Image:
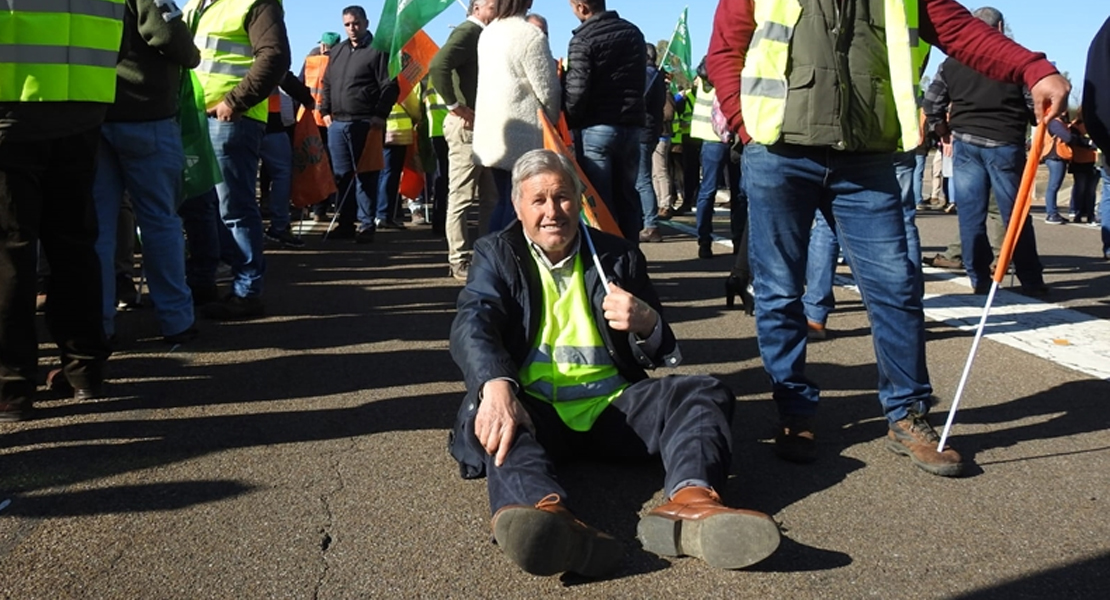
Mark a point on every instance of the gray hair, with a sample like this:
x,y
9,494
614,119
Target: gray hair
x,y
538,20
989,15
542,161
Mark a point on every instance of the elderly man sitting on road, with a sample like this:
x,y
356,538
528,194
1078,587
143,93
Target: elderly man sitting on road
x,y
554,362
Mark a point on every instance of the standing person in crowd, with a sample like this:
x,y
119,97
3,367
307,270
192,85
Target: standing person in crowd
x,y
244,55
277,157
807,154
985,119
655,101
435,180
141,154
454,72
49,133
1096,107
312,74
661,155
358,95
570,381
603,97
1082,169
715,161
690,148
400,132
1056,154
516,80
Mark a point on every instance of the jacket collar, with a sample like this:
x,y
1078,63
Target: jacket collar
x,y
601,16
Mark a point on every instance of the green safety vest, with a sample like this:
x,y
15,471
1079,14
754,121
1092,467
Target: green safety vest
x,y
763,81
60,50
437,112
682,121
569,365
226,54
701,124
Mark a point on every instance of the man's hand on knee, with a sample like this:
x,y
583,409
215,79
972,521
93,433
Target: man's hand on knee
x,y
499,416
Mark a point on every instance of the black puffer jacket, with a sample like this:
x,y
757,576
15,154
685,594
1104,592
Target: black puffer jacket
x,y
604,83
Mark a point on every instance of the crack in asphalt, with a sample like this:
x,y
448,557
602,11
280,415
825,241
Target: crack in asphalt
x,y
325,531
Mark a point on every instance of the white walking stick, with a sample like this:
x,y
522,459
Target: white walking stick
x,y
1013,232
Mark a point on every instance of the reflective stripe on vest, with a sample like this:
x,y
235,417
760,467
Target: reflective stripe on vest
x,y
701,124
80,66
314,67
569,366
437,112
226,54
763,81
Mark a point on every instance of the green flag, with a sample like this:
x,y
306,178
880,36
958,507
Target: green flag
x,y
400,20
677,56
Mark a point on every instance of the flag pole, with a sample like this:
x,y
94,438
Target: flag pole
x,y
466,9
1017,223
663,61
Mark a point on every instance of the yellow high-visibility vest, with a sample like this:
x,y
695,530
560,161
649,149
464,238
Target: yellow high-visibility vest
x,y
226,54
763,80
60,50
569,365
701,124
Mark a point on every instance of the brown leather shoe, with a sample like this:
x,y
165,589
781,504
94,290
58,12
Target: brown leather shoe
x,y
546,540
915,437
695,523
651,235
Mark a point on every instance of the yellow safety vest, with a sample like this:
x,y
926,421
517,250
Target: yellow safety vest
x,y
60,50
763,85
701,125
569,365
437,112
399,126
226,54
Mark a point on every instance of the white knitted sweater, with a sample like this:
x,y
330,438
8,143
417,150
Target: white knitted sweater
x,y
516,78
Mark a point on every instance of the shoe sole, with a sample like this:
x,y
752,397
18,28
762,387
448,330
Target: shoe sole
x,y
542,543
724,541
941,470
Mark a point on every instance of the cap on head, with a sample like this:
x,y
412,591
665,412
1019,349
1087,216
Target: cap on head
x,y
330,38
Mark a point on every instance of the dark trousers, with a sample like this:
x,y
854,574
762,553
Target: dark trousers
x,y
435,186
691,171
46,194
683,419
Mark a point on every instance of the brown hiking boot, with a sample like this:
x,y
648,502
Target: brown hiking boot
x,y
695,523
546,540
795,442
915,437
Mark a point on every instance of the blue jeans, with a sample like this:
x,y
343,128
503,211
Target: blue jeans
x,y
819,299
786,186
714,158
200,218
503,212
1084,180
389,182
918,178
649,202
1104,212
905,169
1057,169
146,160
610,157
237,145
357,191
277,158
976,171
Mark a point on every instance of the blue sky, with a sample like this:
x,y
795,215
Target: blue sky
x,y
1062,34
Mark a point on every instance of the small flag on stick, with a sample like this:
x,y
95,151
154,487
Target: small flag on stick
x,y
597,214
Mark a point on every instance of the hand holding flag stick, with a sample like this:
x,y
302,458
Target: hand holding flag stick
x,y
1013,233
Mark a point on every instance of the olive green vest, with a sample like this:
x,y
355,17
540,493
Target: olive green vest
x,y
846,78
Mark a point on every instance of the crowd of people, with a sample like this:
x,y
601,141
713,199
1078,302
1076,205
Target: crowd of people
x,y
814,123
